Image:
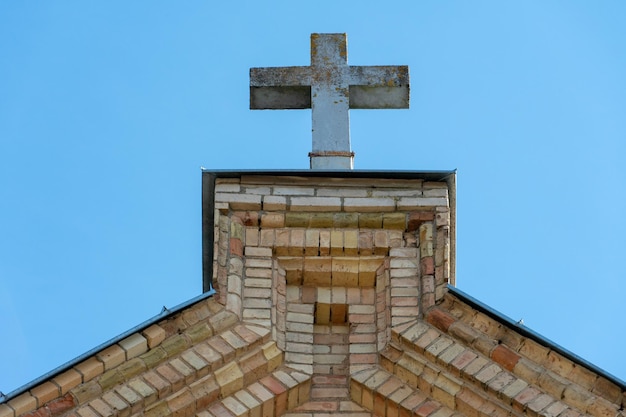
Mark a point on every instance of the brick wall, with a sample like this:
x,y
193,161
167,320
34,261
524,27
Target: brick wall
x,y
330,265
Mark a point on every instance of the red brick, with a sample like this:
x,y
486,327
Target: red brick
x,y
392,409
505,357
273,385
525,397
389,386
246,334
170,375
41,412
417,218
440,319
412,402
309,295
223,348
61,405
427,265
379,404
427,408
236,247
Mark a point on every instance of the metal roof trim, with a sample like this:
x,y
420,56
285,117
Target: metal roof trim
x,y
435,175
164,314
525,331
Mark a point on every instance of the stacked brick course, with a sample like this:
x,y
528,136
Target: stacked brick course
x,y
330,267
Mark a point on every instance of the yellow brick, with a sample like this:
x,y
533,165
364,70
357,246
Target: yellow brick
x,y
86,411
370,220
381,242
67,380
155,335
229,378
426,232
345,220
134,345
336,242
445,389
273,356
312,242
367,271
45,392
317,271
273,220
321,220
345,272
322,313
297,219
351,242
315,204
281,245
159,409
90,368
112,356
394,221
296,242
23,403
293,270
6,411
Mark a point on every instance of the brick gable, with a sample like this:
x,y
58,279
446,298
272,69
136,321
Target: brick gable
x,y
331,297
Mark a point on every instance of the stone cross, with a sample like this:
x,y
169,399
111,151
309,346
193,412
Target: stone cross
x,y
330,87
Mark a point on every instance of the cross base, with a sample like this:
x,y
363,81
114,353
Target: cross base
x,y
332,160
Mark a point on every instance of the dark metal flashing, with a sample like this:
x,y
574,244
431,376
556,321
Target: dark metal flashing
x,y
526,332
164,314
208,217
323,173
208,198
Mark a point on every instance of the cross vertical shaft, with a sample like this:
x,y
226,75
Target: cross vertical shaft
x,y
330,95
330,88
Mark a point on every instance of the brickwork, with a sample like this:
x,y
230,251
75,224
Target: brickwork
x,y
331,299
330,269
530,361
285,255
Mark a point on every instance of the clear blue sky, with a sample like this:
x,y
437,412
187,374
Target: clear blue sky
x,y
109,109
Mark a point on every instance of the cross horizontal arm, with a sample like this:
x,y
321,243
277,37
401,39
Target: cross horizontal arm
x,y
379,76
379,87
280,88
280,76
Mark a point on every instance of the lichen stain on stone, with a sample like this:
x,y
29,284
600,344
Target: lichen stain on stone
x,y
343,51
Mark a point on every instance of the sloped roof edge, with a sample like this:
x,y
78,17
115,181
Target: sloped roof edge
x,y
526,332
164,314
